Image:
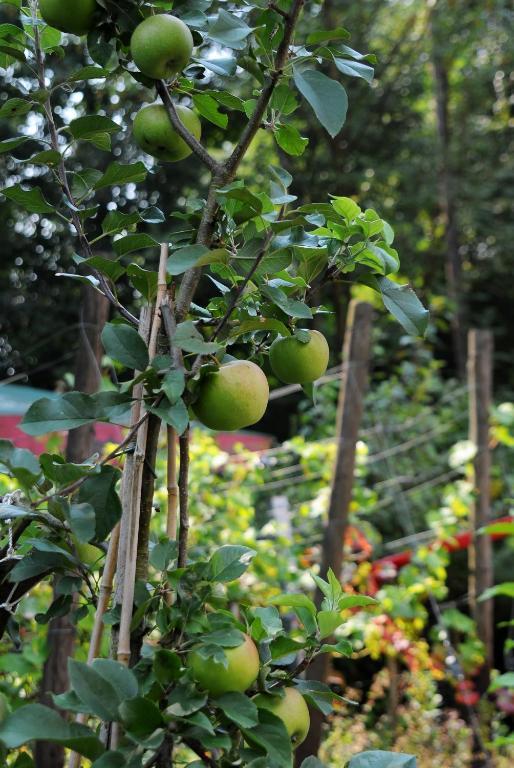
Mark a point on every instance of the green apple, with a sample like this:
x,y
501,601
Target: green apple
x,y
241,672
161,46
291,709
233,397
75,16
154,133
296,363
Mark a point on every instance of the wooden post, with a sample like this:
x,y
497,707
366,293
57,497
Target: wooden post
x,y
354,382
481,576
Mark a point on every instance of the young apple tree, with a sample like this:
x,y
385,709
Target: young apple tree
x,y
181,679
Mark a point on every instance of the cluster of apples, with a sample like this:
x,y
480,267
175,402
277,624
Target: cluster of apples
x,y
240,673
236,395
161,47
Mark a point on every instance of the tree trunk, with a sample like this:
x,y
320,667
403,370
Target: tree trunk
x,y
447,197
354,381
80,445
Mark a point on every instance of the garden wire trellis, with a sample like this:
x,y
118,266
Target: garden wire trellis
x,y
388,441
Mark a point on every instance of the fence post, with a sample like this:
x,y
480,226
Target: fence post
x,y
354,382
481,576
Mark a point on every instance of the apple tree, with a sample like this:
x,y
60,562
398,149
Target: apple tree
x,y
181,678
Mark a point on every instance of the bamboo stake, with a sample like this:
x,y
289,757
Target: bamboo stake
x,y
111,559
134,491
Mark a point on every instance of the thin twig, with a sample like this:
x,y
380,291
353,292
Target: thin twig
x,y
63,181
183,479
193,143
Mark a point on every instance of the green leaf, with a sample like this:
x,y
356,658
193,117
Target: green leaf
x,y
173,385
317,694
239,708
31,200
47,157
175,415
143,280
346,207
108,267
502,681
291,307
290,140
124,344
59,471
66,412
135,242
312,762
184,700
93,690
117,173
294,601
89,73
270,735
283,647
380,759
506,589
327,98
122,679
323,35
328,622
498,528
20,462
402,302
111,760
229,30
166,666
35,722
229,562
259,324
8,144
188,338
356,601
209,108
221,65
90,125
343,647
184,258
100,491
140,716
283,100
355,69
15,107
83,521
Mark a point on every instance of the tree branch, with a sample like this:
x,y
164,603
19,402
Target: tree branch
x,y
183,478
182,131
255,121
226,171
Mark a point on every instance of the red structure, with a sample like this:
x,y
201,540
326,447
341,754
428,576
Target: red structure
x,y
15,401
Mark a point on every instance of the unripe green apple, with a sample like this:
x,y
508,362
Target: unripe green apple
x,y
233,397
292,710
296,363
154,133
161,46
75,16
241,672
